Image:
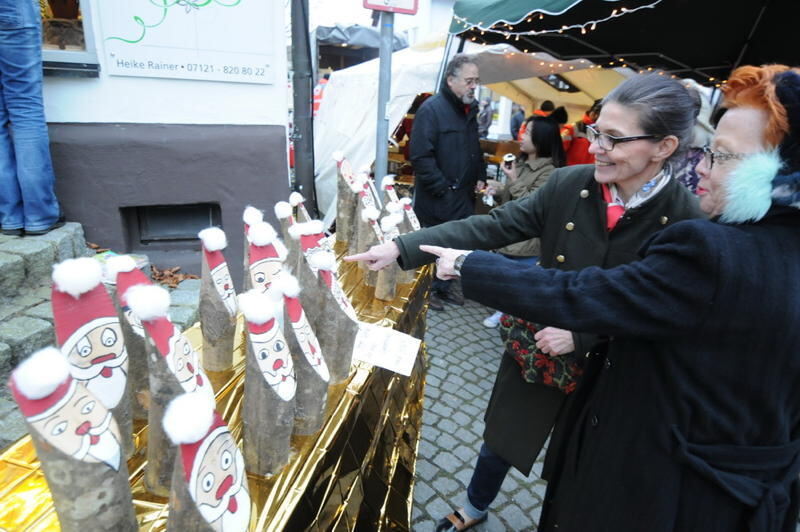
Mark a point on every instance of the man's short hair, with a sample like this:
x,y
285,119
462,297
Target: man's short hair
x,y
456,63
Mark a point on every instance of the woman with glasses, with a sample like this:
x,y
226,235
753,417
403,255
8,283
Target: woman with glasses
x,y
585,215
693,424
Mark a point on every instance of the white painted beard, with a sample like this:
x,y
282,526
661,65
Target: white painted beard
x,y
109,390
107,448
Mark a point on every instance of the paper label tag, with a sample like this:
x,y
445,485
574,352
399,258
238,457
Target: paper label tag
x,y
386,348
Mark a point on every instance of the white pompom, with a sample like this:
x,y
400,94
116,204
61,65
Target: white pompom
x,y
189,417
338,156
283,210
41,373
119,264
295,199
388,181
314,227
370,213
252,215
393,207
256,306
322,260
148,302
262,234
287,284
77,276
390,222
213,238
405,201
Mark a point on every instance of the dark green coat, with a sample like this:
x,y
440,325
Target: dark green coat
x,y
568,214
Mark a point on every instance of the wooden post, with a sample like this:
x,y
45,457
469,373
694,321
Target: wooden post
x,y
77,442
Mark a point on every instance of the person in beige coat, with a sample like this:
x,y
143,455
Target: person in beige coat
x,y
541,152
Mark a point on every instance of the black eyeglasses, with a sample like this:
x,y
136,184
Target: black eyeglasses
x,y
711,156
607,142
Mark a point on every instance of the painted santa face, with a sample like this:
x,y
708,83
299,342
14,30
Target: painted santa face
x,y
97,356
184,362
274,361
310,346
133,321
81,427
219,486
221,278
263,272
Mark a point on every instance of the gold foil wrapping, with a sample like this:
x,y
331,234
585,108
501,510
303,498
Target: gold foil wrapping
x,y
357,472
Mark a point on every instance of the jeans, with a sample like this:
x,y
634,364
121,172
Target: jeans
x,y
27,196
490,471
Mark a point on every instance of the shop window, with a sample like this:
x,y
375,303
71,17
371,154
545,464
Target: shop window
x,y
68,46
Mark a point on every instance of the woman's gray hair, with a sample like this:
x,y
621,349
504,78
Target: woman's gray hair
x,y
663,106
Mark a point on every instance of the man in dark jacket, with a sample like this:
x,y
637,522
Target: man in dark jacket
x,y
447,157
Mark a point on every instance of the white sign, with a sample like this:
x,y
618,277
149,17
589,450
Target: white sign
x,y
218,40
407,7
386,348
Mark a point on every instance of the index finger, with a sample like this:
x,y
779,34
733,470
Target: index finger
x,y
357,257
433,250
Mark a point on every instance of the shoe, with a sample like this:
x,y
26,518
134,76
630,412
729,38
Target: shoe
x,y
435,303
493,320
13,232
452,297
456,521
58,223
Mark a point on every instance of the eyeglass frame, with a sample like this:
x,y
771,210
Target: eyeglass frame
x,y
709,155
616,140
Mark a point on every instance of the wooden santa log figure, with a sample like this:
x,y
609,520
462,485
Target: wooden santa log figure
x,y
250,216
267,255
408,209
122,268
89,333
283,212
387,279
174,368
309,361
369,234
78,445
297,201
391,195
269,387
335,328
217,302
346,200
209,485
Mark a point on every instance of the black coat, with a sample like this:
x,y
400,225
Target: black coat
x,y
693,424
447,159
568,214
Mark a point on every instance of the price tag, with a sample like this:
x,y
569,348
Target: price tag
x,y
386,348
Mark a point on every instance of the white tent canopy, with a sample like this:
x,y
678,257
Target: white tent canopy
x,y
347,121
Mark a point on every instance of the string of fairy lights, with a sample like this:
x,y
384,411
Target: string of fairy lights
x,y
505,29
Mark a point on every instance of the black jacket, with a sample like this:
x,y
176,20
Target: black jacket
x,y
447,159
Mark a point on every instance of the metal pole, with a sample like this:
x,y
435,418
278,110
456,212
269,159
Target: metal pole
x,y
384,93
445,59
303,84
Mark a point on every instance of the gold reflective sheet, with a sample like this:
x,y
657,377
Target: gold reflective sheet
x,y
357,472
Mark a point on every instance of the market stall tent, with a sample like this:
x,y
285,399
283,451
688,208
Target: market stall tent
x,y
347,122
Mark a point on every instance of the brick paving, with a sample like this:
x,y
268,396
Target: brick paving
x,y
464,357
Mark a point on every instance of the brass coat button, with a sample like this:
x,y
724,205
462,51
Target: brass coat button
x,y
664,220
560,258
570,226
584,193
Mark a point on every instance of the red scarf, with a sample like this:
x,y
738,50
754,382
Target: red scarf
x,y
614,211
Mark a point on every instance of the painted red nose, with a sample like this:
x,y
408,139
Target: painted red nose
x,y
190,367
83,428
227,286
224,487
313,350
278,364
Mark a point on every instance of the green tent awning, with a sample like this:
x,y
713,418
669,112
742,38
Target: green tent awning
x,y
486,13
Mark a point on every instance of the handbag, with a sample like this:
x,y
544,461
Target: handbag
x,y
560,371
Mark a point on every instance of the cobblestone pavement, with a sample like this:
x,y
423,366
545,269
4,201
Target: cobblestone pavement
x,y
464,357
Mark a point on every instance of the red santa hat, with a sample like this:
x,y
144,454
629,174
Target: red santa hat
x,y
214,241
123,269
80,301
264,243
325,263
42,383
150,303
290,288
309,233
259,311
191,422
